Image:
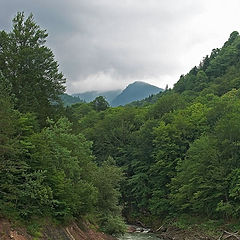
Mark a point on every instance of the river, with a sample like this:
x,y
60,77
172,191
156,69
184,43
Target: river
x,y
139,236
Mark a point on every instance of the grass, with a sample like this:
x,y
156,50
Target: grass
x,y
35,229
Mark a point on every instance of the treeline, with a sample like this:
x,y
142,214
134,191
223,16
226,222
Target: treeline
x,y
181,154
46,169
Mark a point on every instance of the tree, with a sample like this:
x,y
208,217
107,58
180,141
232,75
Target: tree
x,y
22,191
6,112
30,67
165,104
200,183
201,80
107,180
67,160
100,104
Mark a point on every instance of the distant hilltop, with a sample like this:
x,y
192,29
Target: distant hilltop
x,y
133,92
91,95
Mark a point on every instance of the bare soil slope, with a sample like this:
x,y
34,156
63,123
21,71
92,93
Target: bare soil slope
x,y
71,232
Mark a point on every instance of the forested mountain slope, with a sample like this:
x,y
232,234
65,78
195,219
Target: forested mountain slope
x,y
217,73
180,155
133,92
90,96
68,100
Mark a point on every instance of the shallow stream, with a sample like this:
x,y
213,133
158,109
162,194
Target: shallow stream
x,y
139,236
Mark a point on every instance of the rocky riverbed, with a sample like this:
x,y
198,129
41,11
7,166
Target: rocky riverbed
x,y
164,233
138,233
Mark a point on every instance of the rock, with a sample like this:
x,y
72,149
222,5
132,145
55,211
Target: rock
x,y
131,229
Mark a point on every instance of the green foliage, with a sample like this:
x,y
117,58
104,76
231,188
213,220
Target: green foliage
x,y
48,172
100,104
30,68
195,187
215,72
111,132
166,104
68,163
68,100
34,229
107,180
177,157
113,225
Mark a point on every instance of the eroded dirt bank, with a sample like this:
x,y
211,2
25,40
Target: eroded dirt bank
x,y
72,232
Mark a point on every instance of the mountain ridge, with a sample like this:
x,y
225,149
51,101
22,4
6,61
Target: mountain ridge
x,y
135,91
91,95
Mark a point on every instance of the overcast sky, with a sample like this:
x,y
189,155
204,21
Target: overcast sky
x,y
107,44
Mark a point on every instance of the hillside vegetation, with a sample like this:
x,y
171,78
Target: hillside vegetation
x,y
47,171
180,155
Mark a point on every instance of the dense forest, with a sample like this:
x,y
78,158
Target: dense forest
x,y
175,154
47,170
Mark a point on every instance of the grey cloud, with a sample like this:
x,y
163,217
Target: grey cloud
x,y
134,40
105,44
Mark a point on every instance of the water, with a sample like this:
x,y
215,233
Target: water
x,y
139,236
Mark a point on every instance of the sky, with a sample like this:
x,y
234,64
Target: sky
x,y
107,44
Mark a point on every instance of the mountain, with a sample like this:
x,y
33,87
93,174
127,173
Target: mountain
x,y
90,96
68,100
135,91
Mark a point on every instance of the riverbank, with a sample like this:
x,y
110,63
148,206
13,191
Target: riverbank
x,y
175,233
172,233
189,228
74,231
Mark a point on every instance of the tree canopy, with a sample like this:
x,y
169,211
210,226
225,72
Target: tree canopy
x,y
30,67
